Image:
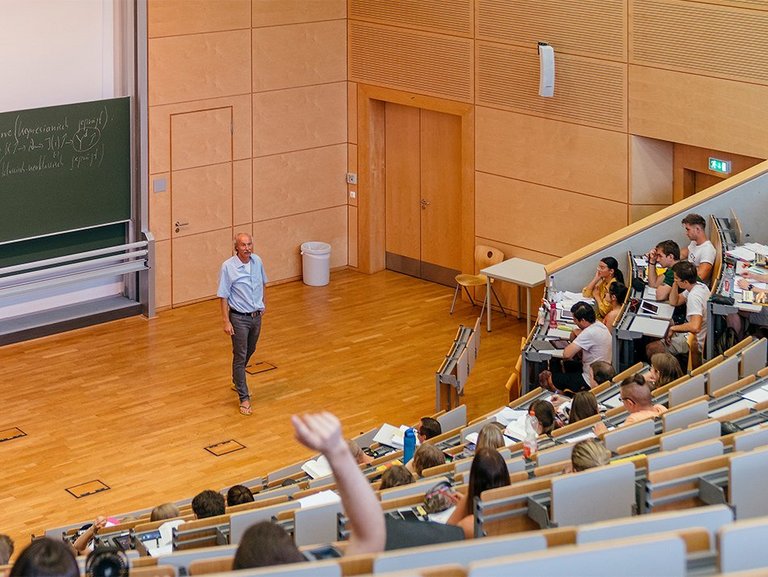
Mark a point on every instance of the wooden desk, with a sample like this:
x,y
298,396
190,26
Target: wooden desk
x,y
521,272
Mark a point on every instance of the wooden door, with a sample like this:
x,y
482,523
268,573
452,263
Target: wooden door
x,y
201,201
691,172
423,193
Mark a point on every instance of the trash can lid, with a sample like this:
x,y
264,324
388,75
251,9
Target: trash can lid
x,y
315,247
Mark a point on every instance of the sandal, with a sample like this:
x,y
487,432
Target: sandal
x,y
246,410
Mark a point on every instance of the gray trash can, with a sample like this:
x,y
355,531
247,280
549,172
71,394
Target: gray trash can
x,y
316,263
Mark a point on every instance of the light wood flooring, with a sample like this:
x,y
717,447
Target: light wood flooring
x,y
133,403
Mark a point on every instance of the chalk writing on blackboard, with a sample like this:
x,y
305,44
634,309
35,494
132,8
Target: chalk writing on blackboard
x,y
33,146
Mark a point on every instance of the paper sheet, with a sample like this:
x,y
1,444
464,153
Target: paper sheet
x,y
757,395
742,404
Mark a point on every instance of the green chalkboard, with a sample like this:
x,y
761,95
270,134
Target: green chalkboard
x,y
64,168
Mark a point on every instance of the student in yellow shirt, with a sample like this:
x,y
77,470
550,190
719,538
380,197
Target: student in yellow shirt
x,y
607,273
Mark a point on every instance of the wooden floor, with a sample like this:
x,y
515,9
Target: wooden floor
x,y
134,403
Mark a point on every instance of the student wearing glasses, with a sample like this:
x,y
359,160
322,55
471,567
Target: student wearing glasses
x,y
636,396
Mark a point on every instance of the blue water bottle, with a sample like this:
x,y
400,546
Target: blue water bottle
x,y
409,445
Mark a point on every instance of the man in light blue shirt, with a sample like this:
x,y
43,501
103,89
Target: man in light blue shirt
x,y
241,290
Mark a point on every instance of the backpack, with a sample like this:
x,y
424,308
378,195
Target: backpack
x,y
726,340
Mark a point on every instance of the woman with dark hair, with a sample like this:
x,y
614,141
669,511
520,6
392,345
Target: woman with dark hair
x,y
46,558
265,544
488,471
545,413
583,405
617,292
607,273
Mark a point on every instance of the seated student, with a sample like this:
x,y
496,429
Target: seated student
x,y
360,457
757,320
694,294
268,544
589,453
491,436
545,414
593,342
488,471
636,396
239,494
602,372
606,274
164,511
208,503
425,457
45,558
665,254
583,405
617,292
428,428
701,252
665,368
395,476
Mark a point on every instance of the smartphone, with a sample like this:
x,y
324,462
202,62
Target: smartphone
x,y
650,307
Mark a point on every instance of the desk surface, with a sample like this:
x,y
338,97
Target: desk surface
x,y
517,270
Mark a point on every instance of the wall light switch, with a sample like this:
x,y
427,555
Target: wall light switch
x,y
158,184
352,194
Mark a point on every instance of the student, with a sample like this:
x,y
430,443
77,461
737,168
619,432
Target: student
x,y
636,396
584,405
593,342
428,428
426,457
208,503
602,372
589,453
665,254
545,414
239,494
665,368
491,436
701,252
395,476
488,471
607,273
687,290
45,558
617,292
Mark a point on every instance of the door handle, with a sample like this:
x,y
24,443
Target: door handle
x,y
424,203
179,224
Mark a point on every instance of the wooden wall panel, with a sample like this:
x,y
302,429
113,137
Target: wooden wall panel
x,y
163,273
352,112
160,128
352,168
184,68
281,12
408,60
242,197
174,17
640,211
587,27
299,55
278,240
541,218
552,153
453,17
160,209
202,197
201,137
587,90
298,118
651,171
294,182
352,236
698,110
196,261
717,40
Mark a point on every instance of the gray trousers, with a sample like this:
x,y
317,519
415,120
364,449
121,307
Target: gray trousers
x,y
244,340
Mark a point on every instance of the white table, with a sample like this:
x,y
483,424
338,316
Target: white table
x,y
519,271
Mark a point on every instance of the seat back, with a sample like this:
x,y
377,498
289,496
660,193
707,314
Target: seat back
x,y
486,256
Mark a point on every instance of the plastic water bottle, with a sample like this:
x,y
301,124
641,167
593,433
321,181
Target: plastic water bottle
x,y
551,287
530,445
409,445
552,315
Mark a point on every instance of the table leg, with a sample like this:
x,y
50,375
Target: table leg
x,y
488,302
519,301
528,310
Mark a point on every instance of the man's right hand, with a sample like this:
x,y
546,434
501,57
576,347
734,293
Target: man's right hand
x,y
228,328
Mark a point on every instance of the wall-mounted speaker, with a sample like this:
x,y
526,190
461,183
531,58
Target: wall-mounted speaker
x,y
546,70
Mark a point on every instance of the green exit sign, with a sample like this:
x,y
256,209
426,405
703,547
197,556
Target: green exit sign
x,y
721,166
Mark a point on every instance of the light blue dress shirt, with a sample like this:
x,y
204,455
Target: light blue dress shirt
x,y
243,290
